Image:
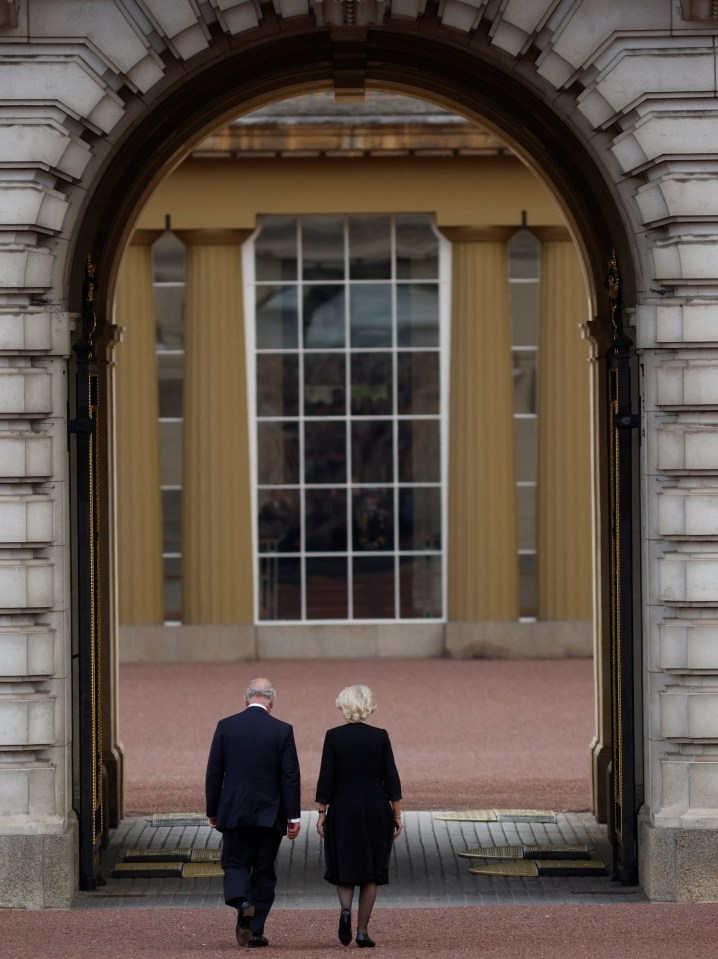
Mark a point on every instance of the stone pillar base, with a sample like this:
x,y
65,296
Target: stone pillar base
x,y
39,871
677,864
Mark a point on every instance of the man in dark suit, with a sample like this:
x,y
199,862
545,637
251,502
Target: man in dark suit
x,y
252,791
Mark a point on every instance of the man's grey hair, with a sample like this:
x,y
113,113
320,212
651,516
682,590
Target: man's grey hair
x,y
267,692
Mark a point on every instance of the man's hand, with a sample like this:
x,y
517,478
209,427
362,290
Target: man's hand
x,y
293,829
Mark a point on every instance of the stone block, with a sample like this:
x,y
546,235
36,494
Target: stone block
x,y
688,448
687,323
43,142
25,456
26,520
38,870
656,860
697,865
689,714
686,646
688,512
27,651
512,640
25,332
27,789
187,644
676,195
31,204
27,720
26,268
71,81
25,392
686,258
26,585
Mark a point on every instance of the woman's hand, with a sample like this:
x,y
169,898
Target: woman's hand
x,y
321,823
398,826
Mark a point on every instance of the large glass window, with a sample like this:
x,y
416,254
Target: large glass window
x,y
524,287
349,406
168,265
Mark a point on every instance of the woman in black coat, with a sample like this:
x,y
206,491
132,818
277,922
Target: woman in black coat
x,y
359,796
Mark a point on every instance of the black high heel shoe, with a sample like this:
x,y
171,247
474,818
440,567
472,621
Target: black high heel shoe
x,y
364,942
345,927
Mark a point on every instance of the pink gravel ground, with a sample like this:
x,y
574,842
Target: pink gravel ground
x,y
466,733
496,932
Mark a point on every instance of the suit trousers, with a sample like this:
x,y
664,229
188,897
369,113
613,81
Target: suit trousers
x,y
248,855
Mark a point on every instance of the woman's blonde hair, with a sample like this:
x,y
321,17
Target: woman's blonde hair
x,y
356,703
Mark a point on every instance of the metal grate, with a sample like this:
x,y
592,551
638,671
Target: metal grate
x,y
179,819
148,870
469,815
202,870
524,870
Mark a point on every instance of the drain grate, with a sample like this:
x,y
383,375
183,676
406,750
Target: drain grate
x,y
526,852
206,855
148,870
519,870
499,815
468,815
202,870
157,855
179,819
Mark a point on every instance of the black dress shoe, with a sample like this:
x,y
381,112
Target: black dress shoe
x,y
364,942
244,931
257,941
345,927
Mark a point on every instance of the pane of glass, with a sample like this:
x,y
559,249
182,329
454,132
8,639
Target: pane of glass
x,y
275,250
420,587
524,255
526,447
371,384
417,314
168,259
278,529
277,453
170,373
169,316
324,325
173,588
372,452
525,301
418,383
327,588
325,520
524,371
277,384
373,519
324,384
419,451
277,318
526,519
420,518
527,585
171,520
280,588
417,249
373,587
325,454
370,247
370,314
170,454
323,248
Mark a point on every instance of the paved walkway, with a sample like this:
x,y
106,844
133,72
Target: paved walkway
x,y
426,870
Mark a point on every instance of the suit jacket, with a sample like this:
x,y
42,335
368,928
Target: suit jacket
x,y
253,772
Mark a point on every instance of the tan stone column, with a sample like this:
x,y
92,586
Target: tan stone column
x,y
563,518
139,500
483,560
217,565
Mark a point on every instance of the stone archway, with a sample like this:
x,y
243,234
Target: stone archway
x,y
591,100
279,66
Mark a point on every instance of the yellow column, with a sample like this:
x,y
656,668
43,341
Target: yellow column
x,y
217,556
483,561
139,501
564,460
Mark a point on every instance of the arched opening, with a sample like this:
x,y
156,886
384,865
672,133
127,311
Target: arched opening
x,y
435,69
